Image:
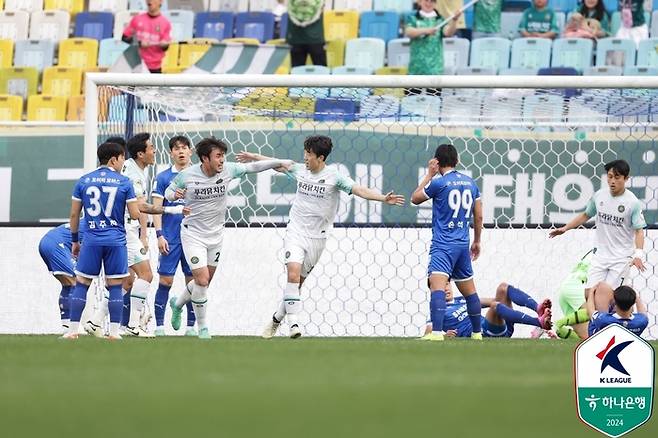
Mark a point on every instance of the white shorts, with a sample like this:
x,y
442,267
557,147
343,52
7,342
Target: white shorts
x,y
613,274
136,251
201,251
304,250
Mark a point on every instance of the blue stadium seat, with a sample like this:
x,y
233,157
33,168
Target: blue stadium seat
x,y
365,52
259,25
647,52
397,54
34,53
420,108
531,53
636,70
283,25
305,91
217,25
572,52
399,6
613,47
496,108
490,52
603,70
654,21
547,108
379,24
455,54
516,71
561,71
182,24
96,25
109,51
117,111
611,5
352,93
335,109
476,71
381,108
509,24
460,109
564,5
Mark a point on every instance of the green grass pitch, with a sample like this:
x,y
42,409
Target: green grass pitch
x,y
244,387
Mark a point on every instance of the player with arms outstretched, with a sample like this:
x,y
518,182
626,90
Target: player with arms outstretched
x,y
311,218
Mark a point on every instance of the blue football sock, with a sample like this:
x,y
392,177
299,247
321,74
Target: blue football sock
x,y
521,298
78,301
437,309
125,315
191,316
115,303
65,302
161,298
474,309
514,316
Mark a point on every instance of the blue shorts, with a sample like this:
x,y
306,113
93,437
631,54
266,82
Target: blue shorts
x,y
57,257
490,330
169,262
114,260
454,262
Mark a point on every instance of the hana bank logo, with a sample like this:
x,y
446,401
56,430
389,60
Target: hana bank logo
x,y
609,357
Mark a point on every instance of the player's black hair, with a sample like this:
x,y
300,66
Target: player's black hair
x,y
118,140
619,167
320,145
179,139
446,155
137,143
205,147
107,150
624,297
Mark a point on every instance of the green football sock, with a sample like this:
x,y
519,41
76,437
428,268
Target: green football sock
x,y
566,332
573,318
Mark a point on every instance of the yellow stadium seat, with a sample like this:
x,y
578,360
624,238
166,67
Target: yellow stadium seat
x,y
11,108
71,6
391,71
76,109
42,108
241,40
398,92
194,50
340,25
173,70
78,52
2,4
19,81
171,57
277,42
335,53
6,53
62,81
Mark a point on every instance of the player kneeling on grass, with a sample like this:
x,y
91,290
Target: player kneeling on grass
x,y
311,218
500,318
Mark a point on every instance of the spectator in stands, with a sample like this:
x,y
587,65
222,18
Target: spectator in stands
x,y
596,16
305,32
486,21
579,27
152,32
633,25
446,8
538,21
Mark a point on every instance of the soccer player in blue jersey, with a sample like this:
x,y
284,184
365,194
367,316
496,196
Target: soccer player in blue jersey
x,y
622,313
455,199
167,228
104,194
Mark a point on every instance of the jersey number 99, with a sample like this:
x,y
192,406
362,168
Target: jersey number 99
x,y
458,199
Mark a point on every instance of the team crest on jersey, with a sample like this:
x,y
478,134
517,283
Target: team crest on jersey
x,y
143,251
103,174
219,181
621,209
194,260
321,181
287,255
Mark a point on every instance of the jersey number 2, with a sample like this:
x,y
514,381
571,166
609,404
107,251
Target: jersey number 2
x,y
94,194
458,200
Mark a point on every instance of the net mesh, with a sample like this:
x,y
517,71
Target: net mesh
x,y
537,156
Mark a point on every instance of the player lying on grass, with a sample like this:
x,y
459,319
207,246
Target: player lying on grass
x,y
500,318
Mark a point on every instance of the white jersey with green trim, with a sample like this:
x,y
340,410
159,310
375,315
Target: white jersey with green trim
x,y
138,178
316,201
206,196
616,218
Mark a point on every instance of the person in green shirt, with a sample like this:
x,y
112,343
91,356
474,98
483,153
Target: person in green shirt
x,y
635,27
594,10
305,32
538,21
486,20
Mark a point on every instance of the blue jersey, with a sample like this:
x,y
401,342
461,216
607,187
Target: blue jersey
x,y
636,323
170,222
453,196
104,194
456,318
62,234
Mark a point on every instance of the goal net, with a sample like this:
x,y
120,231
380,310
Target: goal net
x,y
537,155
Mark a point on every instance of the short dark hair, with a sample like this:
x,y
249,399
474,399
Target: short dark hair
x,y
137,143
619,167
320,145
118,140
624,297
446,155
178,139
206,145
107,150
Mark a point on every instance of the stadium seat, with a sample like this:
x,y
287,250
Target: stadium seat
x,y
335,109
193,50
398,52
305,91
460,109
258,25
113,6
603,70
234,6
75,109
62,81
78,52
509,24
19,81
547,108
170,60
531,53
218,25
24,5
611,5
365,52
43,108
352,5
496,108
340,25
516,71
14,25
182,24
476,71
560,18
420,108
615,21
241,40
49,25
572,52
34,53
647,53
173,70
399,6
195,6
73,7
6,53
109,51
381,108
283,25
335,53
353,93
636,70
607,48
379,24
391,71
654,23
397,92
11,108
490,52
97,25
587,109
516,5
262,5
117,111
455,54
121,20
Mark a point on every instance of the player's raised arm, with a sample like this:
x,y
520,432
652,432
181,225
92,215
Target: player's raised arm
x,y
573,223
257,163
389,198
419,196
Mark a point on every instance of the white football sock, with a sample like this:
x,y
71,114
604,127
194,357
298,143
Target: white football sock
x,y
103,310
114,329
280,312
200,304
138,295
185,296
292,302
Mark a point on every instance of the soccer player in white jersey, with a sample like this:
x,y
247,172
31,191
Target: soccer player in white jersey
x,y
619,233
204,187
311,218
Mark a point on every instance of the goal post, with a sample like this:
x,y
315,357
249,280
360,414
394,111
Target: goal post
x,y
536,146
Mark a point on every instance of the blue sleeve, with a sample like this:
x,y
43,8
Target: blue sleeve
x,y
476,191
77,191
642,320
597,320
159,186
433,188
